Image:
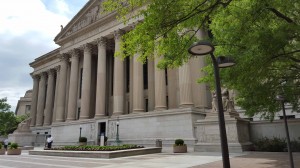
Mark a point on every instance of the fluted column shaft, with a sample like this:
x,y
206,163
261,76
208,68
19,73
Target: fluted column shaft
x,y
151,86
185,86
57,70
86,82
160,87
200,93
61,95
101,79
41,100
34,101
50,98
119,80
138,85
73,89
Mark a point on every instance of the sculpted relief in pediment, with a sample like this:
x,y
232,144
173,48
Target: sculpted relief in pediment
x,y
90,17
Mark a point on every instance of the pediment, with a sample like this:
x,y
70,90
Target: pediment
x,y
89,14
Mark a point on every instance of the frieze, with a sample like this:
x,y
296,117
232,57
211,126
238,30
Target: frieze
x,y
90,17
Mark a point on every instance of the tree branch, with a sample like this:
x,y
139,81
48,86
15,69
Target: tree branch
x,y
281,15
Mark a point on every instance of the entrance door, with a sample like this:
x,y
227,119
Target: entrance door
x,y
101,130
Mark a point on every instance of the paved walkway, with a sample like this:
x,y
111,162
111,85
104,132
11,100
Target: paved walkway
x,y
162,160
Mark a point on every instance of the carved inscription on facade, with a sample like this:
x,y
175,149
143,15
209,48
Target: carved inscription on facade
x,y
90,17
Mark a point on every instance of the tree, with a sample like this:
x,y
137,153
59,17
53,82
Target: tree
x,y
9,122
262,36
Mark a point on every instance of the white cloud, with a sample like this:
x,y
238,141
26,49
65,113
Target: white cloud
x,y
27,30
17,17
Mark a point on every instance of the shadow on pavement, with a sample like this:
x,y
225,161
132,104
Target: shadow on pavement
x,y
258,160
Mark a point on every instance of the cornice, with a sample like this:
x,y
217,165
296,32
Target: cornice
x,y
52,55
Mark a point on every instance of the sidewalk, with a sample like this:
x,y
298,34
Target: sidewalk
x,y
258,160
171,160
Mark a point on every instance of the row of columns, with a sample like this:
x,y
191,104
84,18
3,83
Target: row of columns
x,y
56,97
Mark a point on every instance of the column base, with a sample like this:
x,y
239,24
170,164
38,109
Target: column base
x,y
70,119
46,124
160,108
100,116
185,105
138,111
117,113
84,117
59,120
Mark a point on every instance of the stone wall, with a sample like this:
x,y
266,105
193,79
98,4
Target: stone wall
x,y
259,129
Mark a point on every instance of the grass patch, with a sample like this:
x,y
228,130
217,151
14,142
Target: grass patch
x,y
95,148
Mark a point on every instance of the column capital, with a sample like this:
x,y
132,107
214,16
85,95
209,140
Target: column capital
x,y
74,53
102,41
35,76
44,74
118,34
51,71
56,69
86,47
63,57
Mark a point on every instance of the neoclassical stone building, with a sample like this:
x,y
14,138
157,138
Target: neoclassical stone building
x,y
80,88
82,84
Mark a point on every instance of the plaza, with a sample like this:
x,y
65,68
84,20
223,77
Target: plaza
x,y
162,160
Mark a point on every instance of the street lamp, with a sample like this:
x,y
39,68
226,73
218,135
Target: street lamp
x,y
117,136
80,128
204,48
282,100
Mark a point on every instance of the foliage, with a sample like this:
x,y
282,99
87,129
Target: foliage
x,y
13,146
262,36
179,142
270,145
96,148
4,107
82,139
9,122
0,145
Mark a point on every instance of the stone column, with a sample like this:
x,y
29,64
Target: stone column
x,y
119,80
101,79
185,86
73,89
151,88
86,82
61,95
200,92
57,70
50,98
34,101
160,87
41,100
138,86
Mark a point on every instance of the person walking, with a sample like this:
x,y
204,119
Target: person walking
x,y
49,141
6,143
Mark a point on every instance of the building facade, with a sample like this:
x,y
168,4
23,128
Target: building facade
x,y
82,84
24,104
81,89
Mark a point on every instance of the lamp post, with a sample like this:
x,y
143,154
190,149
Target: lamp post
x,y
80,128
204,48
117,136
282,100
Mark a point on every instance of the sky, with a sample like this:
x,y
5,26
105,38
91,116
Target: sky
x,y
27,31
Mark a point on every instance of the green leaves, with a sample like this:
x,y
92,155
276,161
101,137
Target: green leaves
x,y
262,37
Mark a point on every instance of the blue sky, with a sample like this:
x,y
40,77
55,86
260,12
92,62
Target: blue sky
x,y
27,30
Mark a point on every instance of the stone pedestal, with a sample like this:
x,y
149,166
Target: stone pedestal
x,y
22,138
208,133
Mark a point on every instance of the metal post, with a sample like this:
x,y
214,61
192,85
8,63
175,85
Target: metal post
x,y
222,127
117,136
80,132
287,135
